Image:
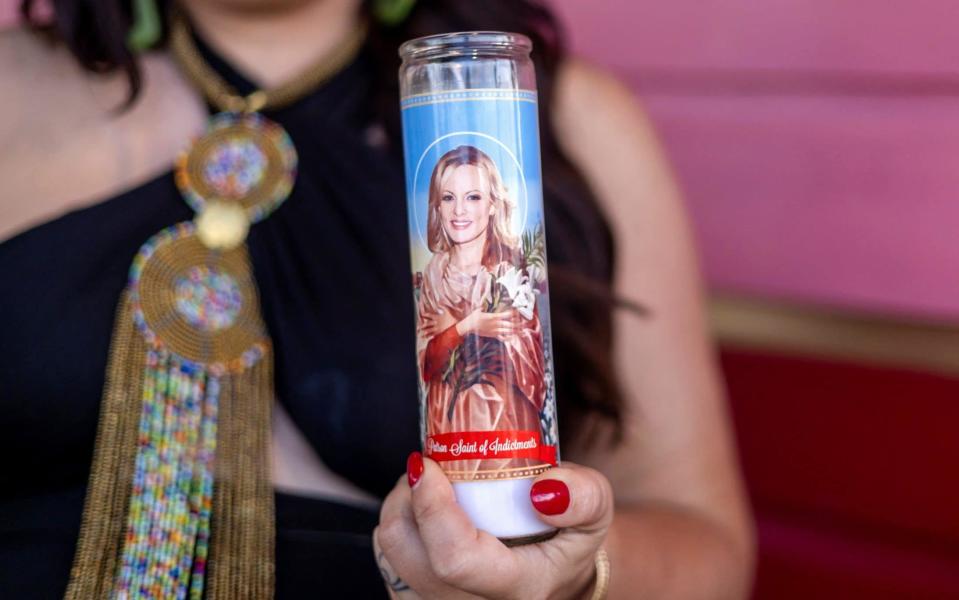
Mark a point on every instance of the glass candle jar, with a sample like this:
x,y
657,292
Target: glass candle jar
x,y
478,255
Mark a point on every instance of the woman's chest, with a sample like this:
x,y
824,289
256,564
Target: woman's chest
x,y
338,305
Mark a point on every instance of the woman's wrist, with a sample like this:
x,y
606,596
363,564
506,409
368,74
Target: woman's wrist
x,y
463,327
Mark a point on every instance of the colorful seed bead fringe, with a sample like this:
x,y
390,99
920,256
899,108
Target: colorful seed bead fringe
x,y
170,505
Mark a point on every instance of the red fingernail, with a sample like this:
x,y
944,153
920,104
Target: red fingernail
x,y
414,468
550,496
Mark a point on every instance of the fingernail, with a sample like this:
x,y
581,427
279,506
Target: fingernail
x,y
550,496
414,468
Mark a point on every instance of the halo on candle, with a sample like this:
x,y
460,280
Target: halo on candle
x,y
511,175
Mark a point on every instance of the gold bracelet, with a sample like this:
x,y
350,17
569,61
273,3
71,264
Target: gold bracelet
x,y
602,576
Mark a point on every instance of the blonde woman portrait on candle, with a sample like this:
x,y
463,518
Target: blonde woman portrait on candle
x,y
101,97
469,214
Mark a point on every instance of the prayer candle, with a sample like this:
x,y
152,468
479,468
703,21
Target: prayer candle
x,y
478,255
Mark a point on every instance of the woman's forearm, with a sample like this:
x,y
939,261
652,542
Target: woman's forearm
x,y
661,551
437,353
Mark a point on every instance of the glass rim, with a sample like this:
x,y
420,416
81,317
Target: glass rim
x,y
464,43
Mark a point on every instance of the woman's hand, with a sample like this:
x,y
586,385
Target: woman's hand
x,y
435,323
498,325
427,547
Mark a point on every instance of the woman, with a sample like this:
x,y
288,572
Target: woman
x,y
85,183
468,231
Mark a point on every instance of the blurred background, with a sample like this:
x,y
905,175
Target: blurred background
x,y
817,144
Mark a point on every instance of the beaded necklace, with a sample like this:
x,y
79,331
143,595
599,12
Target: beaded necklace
x,y
180,501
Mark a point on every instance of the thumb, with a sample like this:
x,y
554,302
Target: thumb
x,y
573,496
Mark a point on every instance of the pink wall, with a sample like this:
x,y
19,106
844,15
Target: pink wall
x,y
889,36
8,12
817,142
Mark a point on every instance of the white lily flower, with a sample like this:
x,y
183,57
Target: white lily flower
x,y
520,290
537,274
512,279
524,303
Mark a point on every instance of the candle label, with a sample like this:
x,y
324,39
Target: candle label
x,y
478,252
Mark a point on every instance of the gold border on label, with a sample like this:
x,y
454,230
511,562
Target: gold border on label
x,y
493,474
503,96
501,90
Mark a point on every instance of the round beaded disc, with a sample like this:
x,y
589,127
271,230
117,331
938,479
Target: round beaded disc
x,y
197,303
208,298
244,158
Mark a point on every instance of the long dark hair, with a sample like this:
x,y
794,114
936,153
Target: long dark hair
x,y
591,402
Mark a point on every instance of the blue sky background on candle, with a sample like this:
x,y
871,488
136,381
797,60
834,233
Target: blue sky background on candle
x,y
505,129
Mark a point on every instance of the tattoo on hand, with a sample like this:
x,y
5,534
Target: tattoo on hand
x,y
393,581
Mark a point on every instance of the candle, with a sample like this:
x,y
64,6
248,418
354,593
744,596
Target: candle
x,y
478,255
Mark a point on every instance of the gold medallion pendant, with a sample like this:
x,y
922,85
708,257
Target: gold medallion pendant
x,y
196,302
243,159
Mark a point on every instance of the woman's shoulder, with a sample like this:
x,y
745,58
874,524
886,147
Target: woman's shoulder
x,y
436,265
598,118
74,143
31,69
47,92
582,85
601,125
46,88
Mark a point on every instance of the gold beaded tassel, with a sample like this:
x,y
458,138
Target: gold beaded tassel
x,y
242,556
108,490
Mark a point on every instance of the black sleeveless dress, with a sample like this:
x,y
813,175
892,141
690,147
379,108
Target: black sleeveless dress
x,y
333,273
